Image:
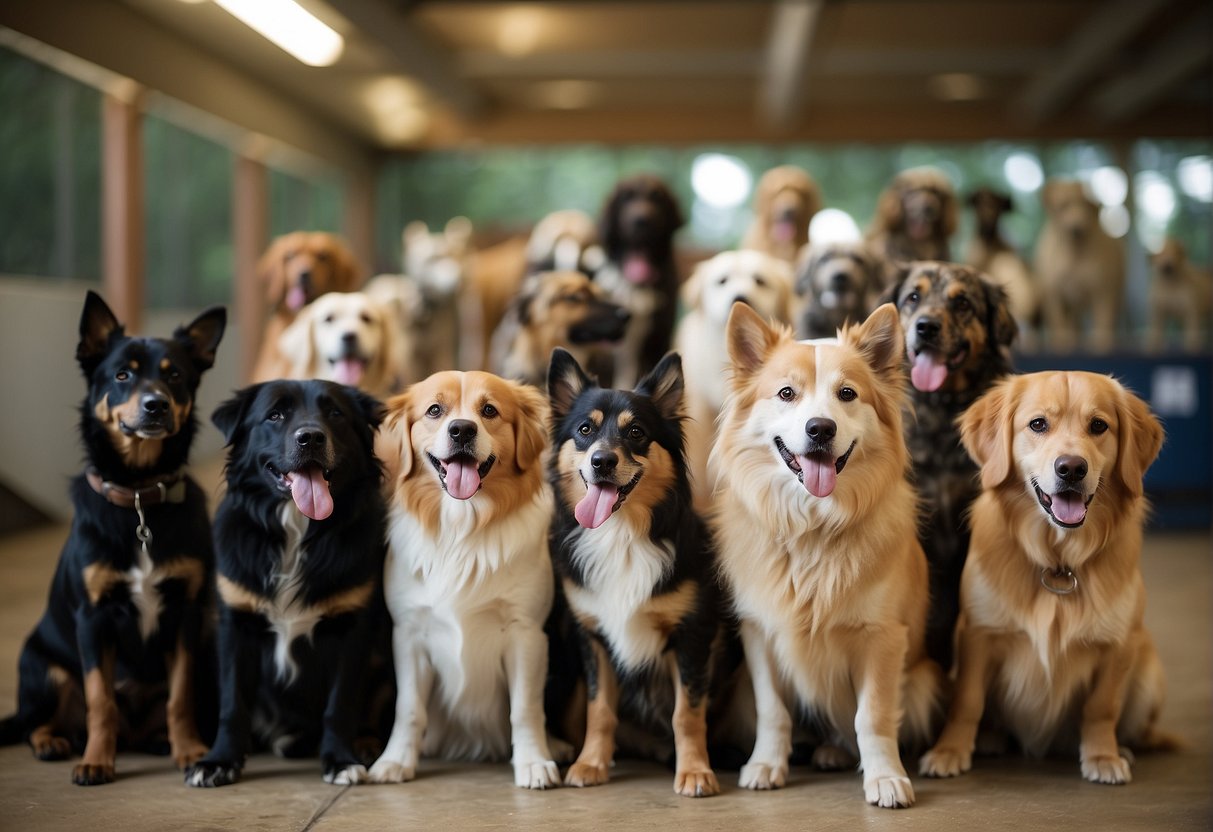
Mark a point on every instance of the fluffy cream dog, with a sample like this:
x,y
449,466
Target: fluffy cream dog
x,y
1180,294
816,533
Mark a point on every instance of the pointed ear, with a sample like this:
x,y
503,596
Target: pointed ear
x,y
296,346
895,273
229,415
530,425
1139,441
749,338
664,385
393,442
880,340
986,431
999,321
97,326
566,381
202,335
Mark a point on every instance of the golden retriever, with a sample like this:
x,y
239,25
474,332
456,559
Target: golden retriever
x,y
1051,637
468,579
785,202
815,526
916,216
296,269
1180,294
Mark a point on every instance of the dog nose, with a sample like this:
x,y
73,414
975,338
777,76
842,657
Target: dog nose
x,y
154,404
821,430
1071,469
310,438
839,280
741,299
603,462
927,328
349,338
461,429
623,315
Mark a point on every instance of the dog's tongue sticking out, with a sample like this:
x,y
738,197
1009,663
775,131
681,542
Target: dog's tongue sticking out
x,y
597,505
348,371
928,373
310,490
784,231
1069,507
462,478
296,298
820,475
637,269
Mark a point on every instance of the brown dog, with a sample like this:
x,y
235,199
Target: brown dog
x,y
1180,293
784,203
916,215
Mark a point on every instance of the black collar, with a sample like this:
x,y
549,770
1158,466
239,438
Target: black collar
x,y
166,489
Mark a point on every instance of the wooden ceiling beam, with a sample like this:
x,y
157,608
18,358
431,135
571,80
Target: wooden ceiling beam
x,y
781,93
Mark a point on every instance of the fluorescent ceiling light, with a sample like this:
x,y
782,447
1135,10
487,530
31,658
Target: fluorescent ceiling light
x,y
289,26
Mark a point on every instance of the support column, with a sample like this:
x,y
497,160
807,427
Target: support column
x,y
358,220
122,231
250,236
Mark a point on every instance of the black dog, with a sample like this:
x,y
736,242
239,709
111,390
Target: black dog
x,y
636,567
299,541
127,600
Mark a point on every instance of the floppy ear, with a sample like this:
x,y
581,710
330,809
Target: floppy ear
x,y
986,431
888,208
781,272
1000,323
692,288
392,360
97,326
566,381
812,196
202,335
895,274
951,212
296,344
749,339
609,221
229,415
881,341
664,385
1005,203
809,262
673,210
347,274
530,425
1139,442
393,443
271,268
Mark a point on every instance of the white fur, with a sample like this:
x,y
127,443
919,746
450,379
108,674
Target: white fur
x,y
145,593
643,302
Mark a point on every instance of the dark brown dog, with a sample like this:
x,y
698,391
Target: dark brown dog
x,y
915,216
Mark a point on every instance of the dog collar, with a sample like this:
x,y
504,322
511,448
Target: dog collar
x,y
1059,581
170,489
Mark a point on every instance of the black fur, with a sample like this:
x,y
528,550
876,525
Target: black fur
x,y
271,429
84,630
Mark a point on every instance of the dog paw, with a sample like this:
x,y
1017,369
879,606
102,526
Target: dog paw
x,y
350,775
889,792
541,774
832,758
51,749
1107,769
562,752
945,762
187,753
389,771
701,783
209,775
87,774
587,774
762,777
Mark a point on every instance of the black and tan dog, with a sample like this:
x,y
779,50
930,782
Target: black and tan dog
x,y
958,330
556,309
636,567
299,542
126,605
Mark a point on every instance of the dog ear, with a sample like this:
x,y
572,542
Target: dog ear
x,y
458,233
809,262
295,344
1139,441
692,288
229,415
566,381
999,321
271,268
202,335
347,274
664,385
881,341
888,208
951,212
1048,195
784,277
671,207
986,433
530,425
98,326
393,443
895,273
749,339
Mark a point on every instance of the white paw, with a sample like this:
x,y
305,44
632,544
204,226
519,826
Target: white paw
x,y
542,774
945,762
1107,769
348,776
889,792
390,771
762,776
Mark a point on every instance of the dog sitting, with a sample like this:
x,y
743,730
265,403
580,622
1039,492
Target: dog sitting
x,y
438,262
916,216
636,566
297,268
299,541
1080,268
556,309
990,253
1053,647
127,604
349,338
468,579
958,330
815,525
1180,295
838,284
638,222
785,201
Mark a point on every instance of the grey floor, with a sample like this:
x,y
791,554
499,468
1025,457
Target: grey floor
x,y
1168,792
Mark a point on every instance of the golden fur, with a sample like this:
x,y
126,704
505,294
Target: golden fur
x,y
1059,671
1181,293
916,215
831,590
785,201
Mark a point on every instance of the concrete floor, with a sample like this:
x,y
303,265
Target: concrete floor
x,y
1168,792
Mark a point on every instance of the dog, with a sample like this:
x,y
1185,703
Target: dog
x,y
299,542
761,280
1080,268
1052,642
349,338
638,222
468,579
128,601
990,253
438,263
785,201
916,215
636,566
815,527
958,334
838,284
407,316
296,269
556,309
1180,294
565,241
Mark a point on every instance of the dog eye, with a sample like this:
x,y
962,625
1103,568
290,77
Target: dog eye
x,y
122,375
488,412
173,376
961,304
585,429
759,280
1039,424
722,280
787,394
434,411
365,318
275,416
847,394
328,319
911,299
1098,426
636,433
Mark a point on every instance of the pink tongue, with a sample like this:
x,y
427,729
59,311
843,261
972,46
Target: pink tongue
x,y
928,374
637,269
462,479
296,298
597,504
310,491
1069,507
784,231
348,371
819,475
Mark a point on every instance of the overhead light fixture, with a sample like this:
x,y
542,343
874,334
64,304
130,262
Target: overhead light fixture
x,y
519,31
289,26
956,86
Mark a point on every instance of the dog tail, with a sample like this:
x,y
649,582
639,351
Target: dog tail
x,y
12,730
922,704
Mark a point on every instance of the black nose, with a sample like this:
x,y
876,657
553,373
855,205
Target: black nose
x,y
927,328
623,314
839,280
1071,469
462,430
310,438
349,338
742,299
154,404
821,430
603,462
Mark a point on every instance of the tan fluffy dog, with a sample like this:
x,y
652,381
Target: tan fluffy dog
x,y
784,203
1051,634
1180,293
816,534
916,215
297,268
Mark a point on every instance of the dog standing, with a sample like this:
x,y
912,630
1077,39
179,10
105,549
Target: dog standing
x,y
128,600
916,216
785,202
1052,641
838,284
1180,293
990,253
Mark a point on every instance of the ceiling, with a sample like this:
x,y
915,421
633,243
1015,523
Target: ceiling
x,y
418,74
